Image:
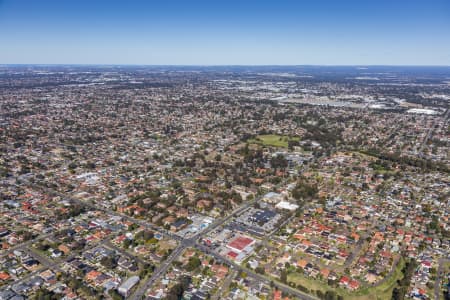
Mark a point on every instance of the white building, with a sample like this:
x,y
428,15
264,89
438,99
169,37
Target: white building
x,y
286,205
125,288
272,197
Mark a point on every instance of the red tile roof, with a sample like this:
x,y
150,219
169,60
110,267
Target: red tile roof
x,y
240,243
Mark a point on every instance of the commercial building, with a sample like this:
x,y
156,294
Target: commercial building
x,y
125,288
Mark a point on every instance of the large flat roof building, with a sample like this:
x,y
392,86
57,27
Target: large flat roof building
x,y
125,288
240,243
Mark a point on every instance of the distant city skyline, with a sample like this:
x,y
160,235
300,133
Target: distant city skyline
x,y
323,32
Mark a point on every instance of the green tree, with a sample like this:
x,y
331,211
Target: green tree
x,y
193,263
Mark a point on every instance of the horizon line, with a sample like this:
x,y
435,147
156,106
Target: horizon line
x,y
225,65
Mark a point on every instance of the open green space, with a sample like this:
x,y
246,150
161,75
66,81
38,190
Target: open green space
x,y
273,140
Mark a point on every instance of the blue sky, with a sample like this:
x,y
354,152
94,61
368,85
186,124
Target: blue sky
x,y
248,32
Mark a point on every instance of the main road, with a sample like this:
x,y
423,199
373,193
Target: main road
x,y
261,278
184,243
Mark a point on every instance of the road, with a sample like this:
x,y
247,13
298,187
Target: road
x,y
184,243
46,263
225,219
226,283
282,287
269,236
430,133
111,246
391,272
26,244
160,271
43,259
355,252
90,205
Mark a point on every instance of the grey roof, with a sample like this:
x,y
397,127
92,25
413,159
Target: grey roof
x,y
6,294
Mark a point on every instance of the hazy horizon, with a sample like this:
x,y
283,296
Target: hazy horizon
x,y
221,65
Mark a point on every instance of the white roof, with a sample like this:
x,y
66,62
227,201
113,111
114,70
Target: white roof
x,y
286,205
